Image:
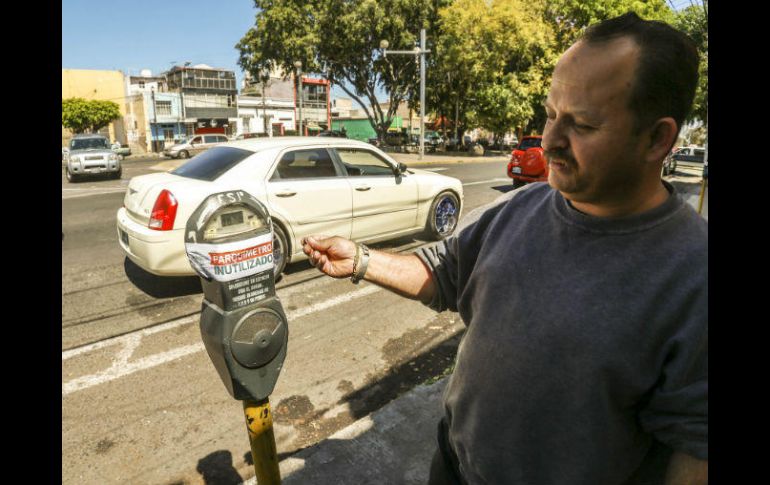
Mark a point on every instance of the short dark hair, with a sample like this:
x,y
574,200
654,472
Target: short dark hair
x,y
667,70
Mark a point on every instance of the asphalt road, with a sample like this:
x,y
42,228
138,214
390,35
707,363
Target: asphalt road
x,y
141,401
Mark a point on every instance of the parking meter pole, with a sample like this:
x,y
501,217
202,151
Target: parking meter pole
x,y
259,423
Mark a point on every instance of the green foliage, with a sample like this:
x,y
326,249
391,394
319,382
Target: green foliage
x,y
489,62
81,116
694,21
340,39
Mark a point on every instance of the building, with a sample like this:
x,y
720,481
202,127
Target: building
x,y
208,98
92,84
139,92
273,105
266,106
314,107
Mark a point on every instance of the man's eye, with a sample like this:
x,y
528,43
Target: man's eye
x,y
584,127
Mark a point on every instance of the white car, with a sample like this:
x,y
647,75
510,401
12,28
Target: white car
x,y
311,185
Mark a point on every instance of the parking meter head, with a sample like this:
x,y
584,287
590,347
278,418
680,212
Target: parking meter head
x,y
229,242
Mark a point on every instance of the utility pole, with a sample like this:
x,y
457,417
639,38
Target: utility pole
x,y
298,65
418,51
154,121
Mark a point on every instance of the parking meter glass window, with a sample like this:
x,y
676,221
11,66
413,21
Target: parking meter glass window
x,y
231,222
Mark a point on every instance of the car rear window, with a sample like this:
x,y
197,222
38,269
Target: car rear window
x,y
212,163
529,143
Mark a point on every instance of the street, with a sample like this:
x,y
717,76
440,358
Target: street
x,y
141,401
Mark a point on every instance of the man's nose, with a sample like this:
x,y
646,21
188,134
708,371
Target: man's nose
x,y
554,137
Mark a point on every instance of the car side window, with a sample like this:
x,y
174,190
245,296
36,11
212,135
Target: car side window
x,y
363,163
210,139
221,139
301,164
197,139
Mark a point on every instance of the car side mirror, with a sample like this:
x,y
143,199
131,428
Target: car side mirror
x,y
399,169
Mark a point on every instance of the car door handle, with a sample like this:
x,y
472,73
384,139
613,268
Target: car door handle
x,y
363,188
285,193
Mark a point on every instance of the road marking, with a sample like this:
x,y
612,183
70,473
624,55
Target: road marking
x,y
487,181
121,366
440,169
89,193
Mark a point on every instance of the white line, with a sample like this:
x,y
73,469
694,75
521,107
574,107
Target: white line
x,y
440,169
121,367
123,339
122,370
487,181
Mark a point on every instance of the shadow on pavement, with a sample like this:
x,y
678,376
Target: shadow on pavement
x,y
217,469
161,286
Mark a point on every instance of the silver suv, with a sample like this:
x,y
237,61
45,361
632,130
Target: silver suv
x,y
194,145
91,155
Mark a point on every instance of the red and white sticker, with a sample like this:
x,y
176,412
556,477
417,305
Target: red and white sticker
x,y
231,261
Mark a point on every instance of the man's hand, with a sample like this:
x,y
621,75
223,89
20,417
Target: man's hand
x,y
332,255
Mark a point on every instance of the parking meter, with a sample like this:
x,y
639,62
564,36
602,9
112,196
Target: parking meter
x,y
229,243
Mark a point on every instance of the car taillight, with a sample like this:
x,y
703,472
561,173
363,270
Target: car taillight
x,y
163,212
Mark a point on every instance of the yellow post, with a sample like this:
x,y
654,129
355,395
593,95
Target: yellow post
x,y
702,192
259,422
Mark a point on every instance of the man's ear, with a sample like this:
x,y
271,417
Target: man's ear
x,y
662,136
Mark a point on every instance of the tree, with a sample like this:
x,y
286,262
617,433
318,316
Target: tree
x,y
693,20
489,61
84,116
340,40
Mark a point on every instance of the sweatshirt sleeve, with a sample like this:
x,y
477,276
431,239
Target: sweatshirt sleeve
x,y
451,260
441,259
677,412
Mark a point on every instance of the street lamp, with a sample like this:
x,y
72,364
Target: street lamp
x,y
417,52
298,65
264,77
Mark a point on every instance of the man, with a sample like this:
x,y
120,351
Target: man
x,y
585,357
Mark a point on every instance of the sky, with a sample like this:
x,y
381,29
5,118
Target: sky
x,y
155,35
146,34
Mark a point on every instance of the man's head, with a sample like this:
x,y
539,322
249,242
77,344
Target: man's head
x,y
618,98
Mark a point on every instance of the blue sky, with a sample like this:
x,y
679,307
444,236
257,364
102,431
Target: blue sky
x,y
145,34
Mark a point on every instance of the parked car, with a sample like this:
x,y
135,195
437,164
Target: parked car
x,y
311,185
689,154
527,162
91,155
121,150
194,145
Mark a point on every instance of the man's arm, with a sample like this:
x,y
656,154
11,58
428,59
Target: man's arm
x,y
683,469
405,275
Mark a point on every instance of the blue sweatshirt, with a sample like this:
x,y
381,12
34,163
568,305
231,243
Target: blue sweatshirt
x,y
586,349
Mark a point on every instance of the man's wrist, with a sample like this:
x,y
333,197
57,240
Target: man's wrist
x,y
360,264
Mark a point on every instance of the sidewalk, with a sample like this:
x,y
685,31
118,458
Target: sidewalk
x,y
392,446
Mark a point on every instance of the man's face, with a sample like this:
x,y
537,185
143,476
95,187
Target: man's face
x,y
594,155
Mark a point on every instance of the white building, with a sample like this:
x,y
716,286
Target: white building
x,y
256,115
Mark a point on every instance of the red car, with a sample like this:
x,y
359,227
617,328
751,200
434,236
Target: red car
x,y
527,162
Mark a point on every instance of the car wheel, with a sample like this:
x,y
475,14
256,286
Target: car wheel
x,y
443,216
517,183
118,174
184,154
71,177
280,251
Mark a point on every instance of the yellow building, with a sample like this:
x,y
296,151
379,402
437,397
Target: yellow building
x,y
94,84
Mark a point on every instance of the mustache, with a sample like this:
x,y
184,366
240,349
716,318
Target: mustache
x,y
559,154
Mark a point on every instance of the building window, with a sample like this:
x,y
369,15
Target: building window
x,y
163,108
